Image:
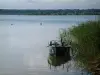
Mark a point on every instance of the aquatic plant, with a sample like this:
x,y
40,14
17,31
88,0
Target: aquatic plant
x,y
64,37
85,42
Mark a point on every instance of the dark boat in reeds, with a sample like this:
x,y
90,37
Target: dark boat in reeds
x,y
58,53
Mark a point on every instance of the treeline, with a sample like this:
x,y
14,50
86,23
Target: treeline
x,y
50,12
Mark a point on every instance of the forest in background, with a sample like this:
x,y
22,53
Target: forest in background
x,y
50,12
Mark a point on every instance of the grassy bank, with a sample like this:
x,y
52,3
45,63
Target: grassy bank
x,y
85,42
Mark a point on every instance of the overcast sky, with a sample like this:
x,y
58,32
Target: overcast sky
x,y
49,4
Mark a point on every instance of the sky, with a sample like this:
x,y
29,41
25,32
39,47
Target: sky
x,y
49,4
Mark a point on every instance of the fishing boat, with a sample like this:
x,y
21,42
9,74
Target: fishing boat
x,y
58,54
57,49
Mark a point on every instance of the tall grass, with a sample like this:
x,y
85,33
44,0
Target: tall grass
x,y
85,40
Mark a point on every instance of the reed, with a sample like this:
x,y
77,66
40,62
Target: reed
x,y
85,42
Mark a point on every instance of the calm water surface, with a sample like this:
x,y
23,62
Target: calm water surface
x,y
23,45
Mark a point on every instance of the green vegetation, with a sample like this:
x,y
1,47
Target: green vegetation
x,y
50,12
85,42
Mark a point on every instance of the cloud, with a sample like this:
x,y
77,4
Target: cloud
x,y
49,4
58,1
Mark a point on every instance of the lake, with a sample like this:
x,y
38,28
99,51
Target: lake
x,y
24,41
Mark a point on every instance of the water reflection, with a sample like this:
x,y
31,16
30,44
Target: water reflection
x,y
57,61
